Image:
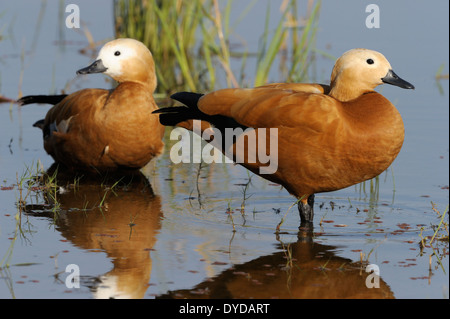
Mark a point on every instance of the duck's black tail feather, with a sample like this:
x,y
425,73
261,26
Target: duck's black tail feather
x,y
171,116
45,99
190,99
40,124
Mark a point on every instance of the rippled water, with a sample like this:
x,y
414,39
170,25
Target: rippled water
x,y
184,234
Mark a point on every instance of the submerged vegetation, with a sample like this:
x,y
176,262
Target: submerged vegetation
x,y
437,241
55,192
194,44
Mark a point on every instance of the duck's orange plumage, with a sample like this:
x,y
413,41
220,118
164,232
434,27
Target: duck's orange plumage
x,y
106,130
329,137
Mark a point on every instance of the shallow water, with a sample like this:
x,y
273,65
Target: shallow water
x,y
185,236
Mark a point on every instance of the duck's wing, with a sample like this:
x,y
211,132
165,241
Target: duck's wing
x,y
75,109
272,107
70,128
299,87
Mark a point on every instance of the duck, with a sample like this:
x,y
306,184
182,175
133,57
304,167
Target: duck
x,y
329,136
101,130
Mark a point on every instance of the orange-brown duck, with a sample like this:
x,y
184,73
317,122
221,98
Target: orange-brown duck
x,y
329,137
106,130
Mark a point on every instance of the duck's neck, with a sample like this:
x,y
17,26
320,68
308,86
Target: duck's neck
x,y
148,80
129,95
345,93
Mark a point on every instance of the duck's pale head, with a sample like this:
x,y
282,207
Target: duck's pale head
x,y
361,70
125,60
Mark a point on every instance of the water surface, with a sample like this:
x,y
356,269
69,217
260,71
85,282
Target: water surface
x,y
184,234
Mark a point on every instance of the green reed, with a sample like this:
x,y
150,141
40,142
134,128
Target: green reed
x,y
168,28
191,41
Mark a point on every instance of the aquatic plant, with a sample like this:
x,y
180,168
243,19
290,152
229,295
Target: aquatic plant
x,y
438,241
192,41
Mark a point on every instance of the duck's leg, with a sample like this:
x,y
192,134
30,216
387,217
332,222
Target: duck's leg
x,y
306,210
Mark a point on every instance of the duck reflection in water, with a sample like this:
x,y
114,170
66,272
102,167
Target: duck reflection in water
x,y
120,216
301,270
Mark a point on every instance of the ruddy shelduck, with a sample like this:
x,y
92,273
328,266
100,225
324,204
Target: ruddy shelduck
x,y
106,130
329,136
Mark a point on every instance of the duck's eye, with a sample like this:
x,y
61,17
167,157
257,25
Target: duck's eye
x,y
370,61
117,53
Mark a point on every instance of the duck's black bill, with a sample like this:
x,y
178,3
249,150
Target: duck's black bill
x,y
96,67
394,79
